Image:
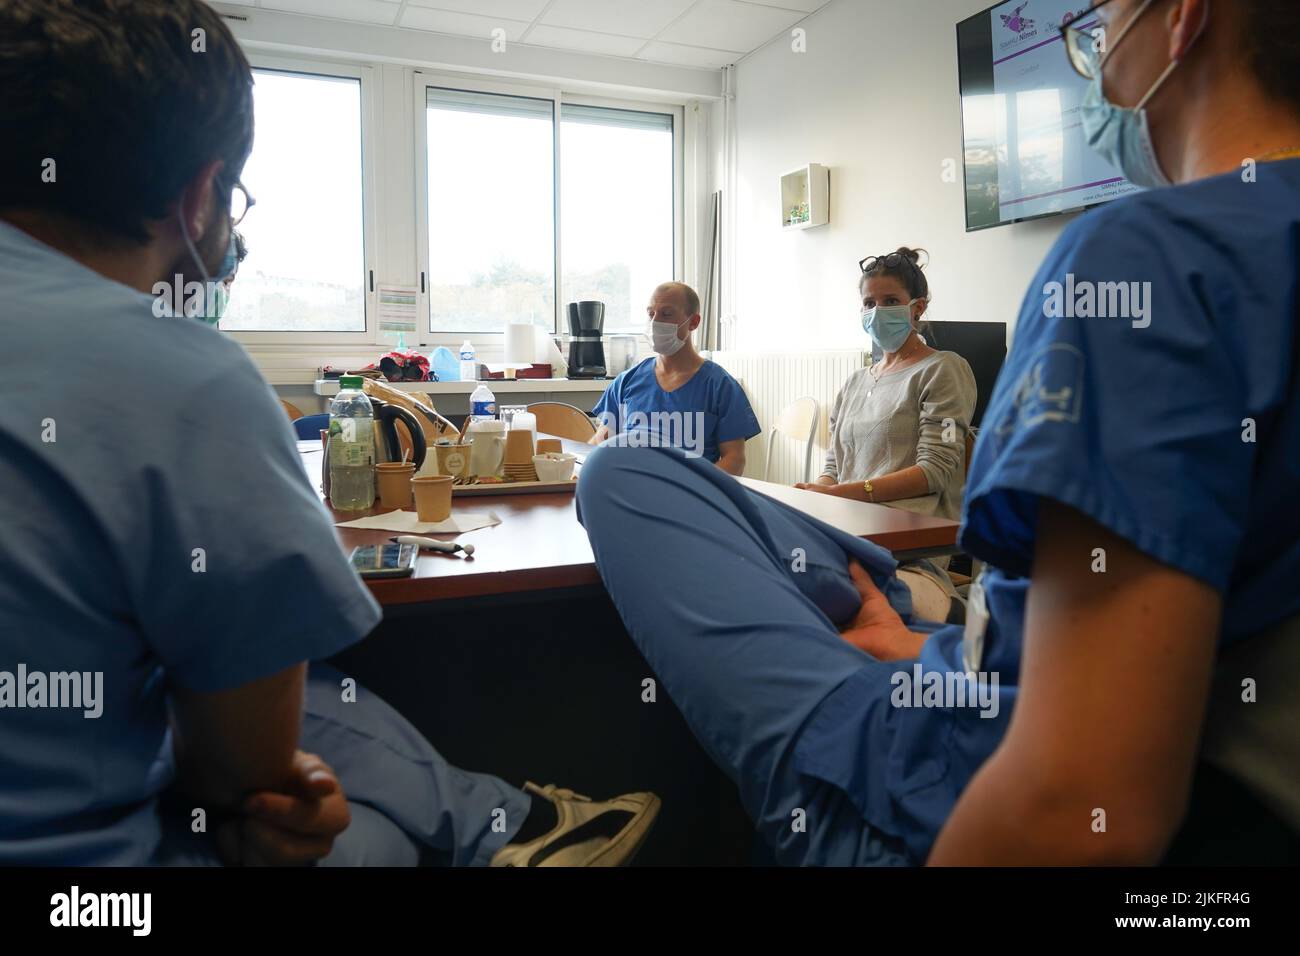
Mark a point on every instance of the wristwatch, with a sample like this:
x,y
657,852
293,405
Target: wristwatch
x,y
871,492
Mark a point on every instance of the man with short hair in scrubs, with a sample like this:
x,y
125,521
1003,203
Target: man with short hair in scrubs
x,y
678,398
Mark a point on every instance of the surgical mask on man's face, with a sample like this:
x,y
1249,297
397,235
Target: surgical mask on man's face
x,y
229,260
888,325
1123,136
215,297
218,299
663,336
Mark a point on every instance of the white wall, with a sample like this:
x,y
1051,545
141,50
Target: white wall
x,y
875,98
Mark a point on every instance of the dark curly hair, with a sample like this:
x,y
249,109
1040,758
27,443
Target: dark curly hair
x,y
129,99
907,270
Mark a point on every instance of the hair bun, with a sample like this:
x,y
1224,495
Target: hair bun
x,y
912,255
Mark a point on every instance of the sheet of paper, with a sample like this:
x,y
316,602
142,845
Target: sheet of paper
x,y
408,522
397,306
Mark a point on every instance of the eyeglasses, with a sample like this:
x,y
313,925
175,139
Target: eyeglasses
x,y
892,260
240,202
1087,48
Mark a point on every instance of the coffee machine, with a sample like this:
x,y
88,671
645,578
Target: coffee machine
x,y
586,352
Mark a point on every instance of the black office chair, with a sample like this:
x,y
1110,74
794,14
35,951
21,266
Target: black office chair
x,y
982,344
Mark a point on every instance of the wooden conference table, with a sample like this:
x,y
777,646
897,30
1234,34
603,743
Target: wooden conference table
x,y
539,544
515,662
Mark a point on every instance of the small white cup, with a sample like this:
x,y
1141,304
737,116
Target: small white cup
x,y
553,467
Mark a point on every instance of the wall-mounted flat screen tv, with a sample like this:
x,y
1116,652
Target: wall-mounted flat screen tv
x,y
1025,152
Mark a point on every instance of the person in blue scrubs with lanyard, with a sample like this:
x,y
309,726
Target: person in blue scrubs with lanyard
x,y
678,398
1132,492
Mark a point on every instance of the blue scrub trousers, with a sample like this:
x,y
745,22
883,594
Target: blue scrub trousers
x,y
409,806
733,599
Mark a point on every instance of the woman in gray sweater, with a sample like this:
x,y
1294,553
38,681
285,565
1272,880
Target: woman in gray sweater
x,y
898,428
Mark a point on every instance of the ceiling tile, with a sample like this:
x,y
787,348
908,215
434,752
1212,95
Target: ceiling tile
x,y
633,18
371,11
584,41
806,6
680,55
509,9
729,25
461,24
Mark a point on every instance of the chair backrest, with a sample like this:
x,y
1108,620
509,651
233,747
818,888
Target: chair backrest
x,y
292,410
308,427
982,344
798,420
1259,743
563,420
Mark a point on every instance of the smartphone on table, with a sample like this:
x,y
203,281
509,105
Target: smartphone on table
x,y
385,560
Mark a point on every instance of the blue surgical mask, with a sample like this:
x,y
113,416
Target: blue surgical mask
x,y
888,325
1123,136
215,297
218,299
229,262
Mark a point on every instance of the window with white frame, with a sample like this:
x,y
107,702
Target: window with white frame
x,y
306,265
490,210
492,219
616,208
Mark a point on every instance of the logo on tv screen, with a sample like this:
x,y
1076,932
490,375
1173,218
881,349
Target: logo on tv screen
x,y
1017,22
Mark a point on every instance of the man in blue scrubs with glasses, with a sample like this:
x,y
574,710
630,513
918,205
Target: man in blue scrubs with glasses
x,y
1133,495
166,570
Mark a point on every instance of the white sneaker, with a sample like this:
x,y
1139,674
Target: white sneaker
x,y
607,833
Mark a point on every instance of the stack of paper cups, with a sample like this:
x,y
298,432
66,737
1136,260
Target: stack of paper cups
x,y
525,421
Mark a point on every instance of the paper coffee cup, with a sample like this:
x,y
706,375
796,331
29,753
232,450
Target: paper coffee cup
x,y
453,460
519,447
432,497
394,482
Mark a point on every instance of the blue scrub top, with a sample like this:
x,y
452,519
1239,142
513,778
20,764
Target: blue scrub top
x,y
634,399
156,528
1175,425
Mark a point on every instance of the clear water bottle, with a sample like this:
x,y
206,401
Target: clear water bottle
x,y
468,364
482,405
352,447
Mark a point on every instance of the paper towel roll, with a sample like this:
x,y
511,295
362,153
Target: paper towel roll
x,y
519,344
545,350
